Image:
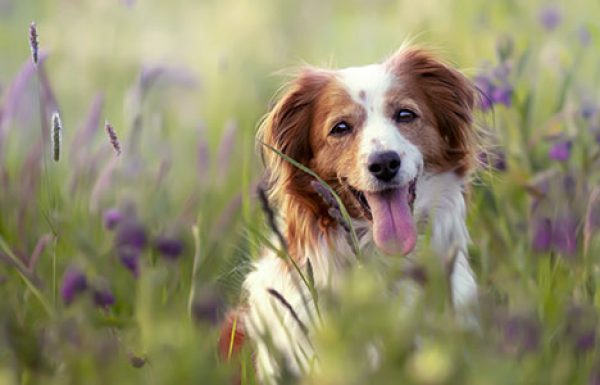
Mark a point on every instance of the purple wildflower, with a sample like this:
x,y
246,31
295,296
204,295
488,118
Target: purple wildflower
x,y
586,341
485,87
33,43
581,327
103,297
130,233
561,150
112,217
502,95
130,258
169,248
494,88
74,282
495,159
112,136
520,334
564,235
130,240
550,17
501,72
542,234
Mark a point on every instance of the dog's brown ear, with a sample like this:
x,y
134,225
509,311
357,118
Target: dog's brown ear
x,y
451,98
286,128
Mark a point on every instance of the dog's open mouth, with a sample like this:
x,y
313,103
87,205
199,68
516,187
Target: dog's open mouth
x,y
391,212
364,204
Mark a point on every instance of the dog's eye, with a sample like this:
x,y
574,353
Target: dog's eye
x,y
404,116
340,129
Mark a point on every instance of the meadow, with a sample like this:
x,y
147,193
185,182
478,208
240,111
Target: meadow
x,y
121,251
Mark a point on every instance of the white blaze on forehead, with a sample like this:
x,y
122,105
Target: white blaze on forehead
x,y
367,85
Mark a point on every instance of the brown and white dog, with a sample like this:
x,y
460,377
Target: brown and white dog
x,y
395,140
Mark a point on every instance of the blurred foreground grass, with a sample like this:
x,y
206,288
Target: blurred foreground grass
x,y
117,269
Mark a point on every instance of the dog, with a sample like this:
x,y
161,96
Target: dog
x,y
396,141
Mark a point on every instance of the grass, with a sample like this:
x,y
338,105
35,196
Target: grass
x,y
183,85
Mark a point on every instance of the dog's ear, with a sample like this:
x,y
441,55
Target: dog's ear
x,y
450,97
287,128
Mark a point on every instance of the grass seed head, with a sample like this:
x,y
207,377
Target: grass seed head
x,y
112,136
33,43
56,136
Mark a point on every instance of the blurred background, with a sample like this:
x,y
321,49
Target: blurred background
x,y
119,260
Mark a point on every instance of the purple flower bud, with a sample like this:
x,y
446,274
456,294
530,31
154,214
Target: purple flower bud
x,y
130,258
130,233
74,282
550,17
103,297
564,235
502,95
112,217
542,234
561,151
169,248
486,88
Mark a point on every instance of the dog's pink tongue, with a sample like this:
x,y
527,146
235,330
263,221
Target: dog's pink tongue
x,y
393,226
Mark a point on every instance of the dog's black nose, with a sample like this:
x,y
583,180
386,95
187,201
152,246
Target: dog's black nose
x,y
384,165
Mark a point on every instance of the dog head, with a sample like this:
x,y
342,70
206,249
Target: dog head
x,y
370,132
